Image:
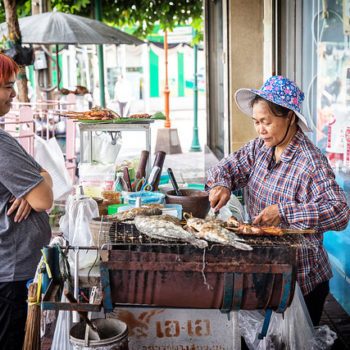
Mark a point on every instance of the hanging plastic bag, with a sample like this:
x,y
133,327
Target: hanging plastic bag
x,y
22,55
105,147
76,229
292,330
60,339
49,155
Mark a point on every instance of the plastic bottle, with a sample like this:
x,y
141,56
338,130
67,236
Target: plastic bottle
x,y
119,184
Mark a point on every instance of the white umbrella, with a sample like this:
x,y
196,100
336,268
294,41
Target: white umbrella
x,y
63,28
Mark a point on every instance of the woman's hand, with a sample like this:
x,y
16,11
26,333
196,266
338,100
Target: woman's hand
x,y
218,197
22,208
269,216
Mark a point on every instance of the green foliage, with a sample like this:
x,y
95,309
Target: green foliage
x,y
159,115
78,7
142,15
23,9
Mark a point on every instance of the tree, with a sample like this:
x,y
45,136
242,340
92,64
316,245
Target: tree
x,y
142,15
14,35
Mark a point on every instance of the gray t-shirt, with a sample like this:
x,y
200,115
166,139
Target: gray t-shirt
x,y
20,243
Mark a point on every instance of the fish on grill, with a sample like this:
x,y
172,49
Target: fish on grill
x,y
246,229
213,232
167,228
232,221
132,213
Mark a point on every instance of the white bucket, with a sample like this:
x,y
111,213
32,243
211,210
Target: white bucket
x,y
113,335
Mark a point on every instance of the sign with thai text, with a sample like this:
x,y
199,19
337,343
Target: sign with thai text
x,y
178,329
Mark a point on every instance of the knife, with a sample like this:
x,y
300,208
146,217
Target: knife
x,y
216,213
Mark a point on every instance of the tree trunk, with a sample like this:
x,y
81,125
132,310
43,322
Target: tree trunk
x,y
15,35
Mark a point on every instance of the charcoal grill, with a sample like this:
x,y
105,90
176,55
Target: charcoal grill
x,y
139,271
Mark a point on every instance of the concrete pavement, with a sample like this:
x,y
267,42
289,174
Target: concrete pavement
x,y
188,167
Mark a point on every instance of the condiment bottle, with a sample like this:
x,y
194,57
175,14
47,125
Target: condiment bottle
x,y
119,184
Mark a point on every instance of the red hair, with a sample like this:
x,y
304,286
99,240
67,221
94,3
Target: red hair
x,y
8,68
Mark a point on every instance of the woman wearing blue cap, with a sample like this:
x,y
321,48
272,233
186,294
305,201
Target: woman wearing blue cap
x,y
288,181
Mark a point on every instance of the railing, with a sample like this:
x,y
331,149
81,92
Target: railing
x,y
43,118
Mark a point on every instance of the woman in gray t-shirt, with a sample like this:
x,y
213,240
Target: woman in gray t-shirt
x,y
25,195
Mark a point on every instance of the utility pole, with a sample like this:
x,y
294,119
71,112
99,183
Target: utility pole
x,y
195,141
167,138
101,76
167,123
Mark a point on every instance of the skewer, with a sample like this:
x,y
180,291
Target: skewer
x,y
285,231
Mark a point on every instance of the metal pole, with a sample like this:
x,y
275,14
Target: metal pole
x,y
195,147
167,123
101,76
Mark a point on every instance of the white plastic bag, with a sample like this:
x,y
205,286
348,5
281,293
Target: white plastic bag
x,y
96,178
76,229
60,339
49,155
292,330
105,147
233,207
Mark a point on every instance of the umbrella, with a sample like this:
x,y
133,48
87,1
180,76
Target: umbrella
x,y
63,28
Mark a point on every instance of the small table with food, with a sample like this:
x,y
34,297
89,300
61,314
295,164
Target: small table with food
x,y
105,120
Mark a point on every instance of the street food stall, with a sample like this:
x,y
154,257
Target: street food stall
x,y
172,275
140,274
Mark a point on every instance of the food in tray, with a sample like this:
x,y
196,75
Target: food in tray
x,y
96,113
99,113
167,228
80,90
213,232
140,116
132,213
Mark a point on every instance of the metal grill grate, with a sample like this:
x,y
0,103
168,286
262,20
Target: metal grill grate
x,y
127,234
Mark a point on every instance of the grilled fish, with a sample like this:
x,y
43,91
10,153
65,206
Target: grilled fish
x,y
233,222
247,229
164,227
215,233
132,213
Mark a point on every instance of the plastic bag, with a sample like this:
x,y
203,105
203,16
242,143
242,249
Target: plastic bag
x,y
23,56
292,330
76,228
60,339
96,178
105,147
233,207
49,155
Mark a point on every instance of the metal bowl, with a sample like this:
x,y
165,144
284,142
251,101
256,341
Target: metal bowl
x,y
193,201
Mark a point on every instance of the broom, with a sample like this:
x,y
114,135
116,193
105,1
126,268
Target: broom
x,y
32,330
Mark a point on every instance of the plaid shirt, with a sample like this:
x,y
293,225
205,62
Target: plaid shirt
x,y
304,187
